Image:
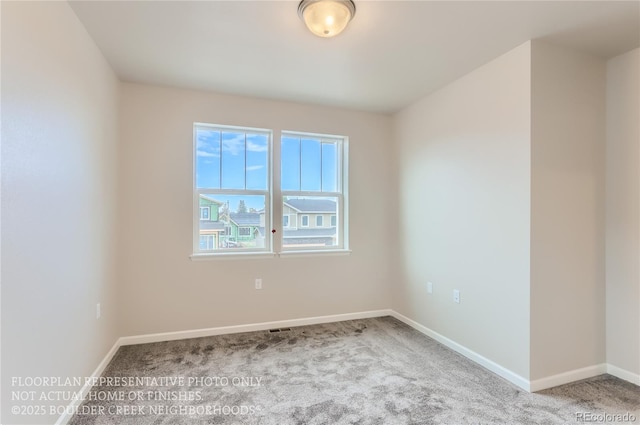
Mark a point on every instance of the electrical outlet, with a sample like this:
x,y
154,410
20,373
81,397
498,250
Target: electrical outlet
x,y
258,283
430,287
456,296
98,312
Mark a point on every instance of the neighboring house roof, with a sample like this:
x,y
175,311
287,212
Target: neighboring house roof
x,y
246,219
208,198
211,225
310,233
312,205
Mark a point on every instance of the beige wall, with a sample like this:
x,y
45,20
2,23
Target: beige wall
x,y
567,210
163,290
59,131
623,212
493,185
463,155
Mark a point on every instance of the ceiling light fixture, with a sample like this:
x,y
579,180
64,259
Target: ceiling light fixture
x,y
326,18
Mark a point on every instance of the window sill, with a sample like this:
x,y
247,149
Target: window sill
x,y
265,255
313,253
233,256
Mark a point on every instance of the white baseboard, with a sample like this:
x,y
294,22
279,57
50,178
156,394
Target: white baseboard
x,y
472,355
65,417
634,378
198,333
584,373
568,377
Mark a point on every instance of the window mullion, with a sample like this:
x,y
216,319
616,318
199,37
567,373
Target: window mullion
x,y
300,163
220,160
321,154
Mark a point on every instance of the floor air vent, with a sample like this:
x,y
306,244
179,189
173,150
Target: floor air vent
x,y
279,330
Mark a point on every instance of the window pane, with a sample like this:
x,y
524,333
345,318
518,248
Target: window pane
x,y
233,160
232,184
204,213
257,157
329,167
235,221
305,233
310,160
207,158
290,163
207,242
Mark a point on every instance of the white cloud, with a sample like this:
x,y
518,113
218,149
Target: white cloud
x,y
206,138
204,154
207,145
255,167
255,147
232,144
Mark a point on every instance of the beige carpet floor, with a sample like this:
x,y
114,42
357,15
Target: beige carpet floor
x,y
372,371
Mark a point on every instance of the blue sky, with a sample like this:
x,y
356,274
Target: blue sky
x,y
317,161
221,160
221,155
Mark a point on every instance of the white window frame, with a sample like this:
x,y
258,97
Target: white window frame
x,y
267,193
302,220
211,238
208,210
342,193
333,219
288,223
273,196
247,228
320,218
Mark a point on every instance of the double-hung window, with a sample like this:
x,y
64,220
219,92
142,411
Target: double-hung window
x,y
234,196
313,177
232,184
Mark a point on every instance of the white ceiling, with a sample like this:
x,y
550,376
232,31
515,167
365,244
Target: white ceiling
x,y
393,52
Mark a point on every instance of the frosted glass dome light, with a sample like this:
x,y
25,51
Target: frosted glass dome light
x,y
326,18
